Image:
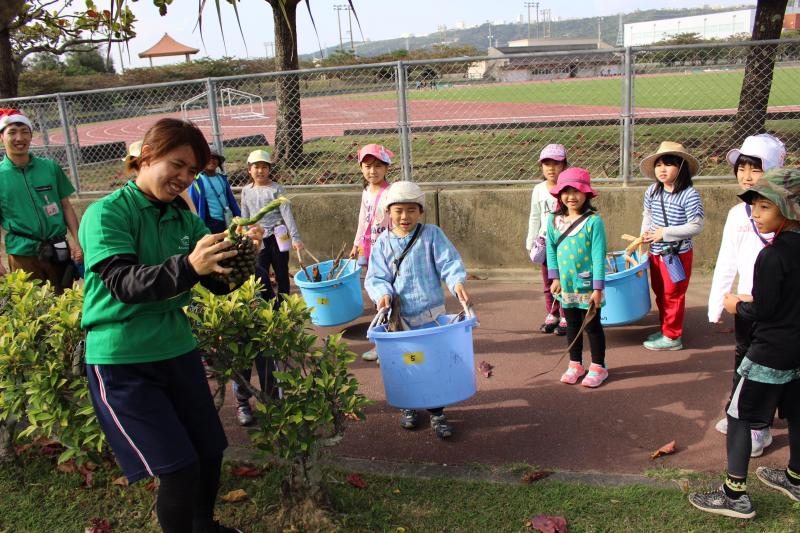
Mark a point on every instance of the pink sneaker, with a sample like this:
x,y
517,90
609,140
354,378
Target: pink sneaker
x,y
596,376
573,373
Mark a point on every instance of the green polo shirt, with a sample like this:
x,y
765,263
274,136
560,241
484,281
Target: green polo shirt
x,y
30,203
126,222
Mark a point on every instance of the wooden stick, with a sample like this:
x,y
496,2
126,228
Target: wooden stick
x,y
311,256
344,267
305,271
626,237
633,245
337,261
611,266
630,261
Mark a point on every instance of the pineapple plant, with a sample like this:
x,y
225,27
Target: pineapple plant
x,y
243,264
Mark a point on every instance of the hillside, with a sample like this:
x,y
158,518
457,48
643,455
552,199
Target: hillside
x,y
562,29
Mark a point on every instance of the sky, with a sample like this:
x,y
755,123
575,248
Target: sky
x,y
380,19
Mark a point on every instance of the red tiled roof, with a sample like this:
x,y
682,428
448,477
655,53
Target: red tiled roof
x,y
168,46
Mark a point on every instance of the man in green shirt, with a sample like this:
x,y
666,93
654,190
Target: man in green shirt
x,y
34,206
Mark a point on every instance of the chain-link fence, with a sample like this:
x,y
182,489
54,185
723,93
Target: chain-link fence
x,y
463,120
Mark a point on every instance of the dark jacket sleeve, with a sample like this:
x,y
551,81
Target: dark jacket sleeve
x,y
133,283
767,285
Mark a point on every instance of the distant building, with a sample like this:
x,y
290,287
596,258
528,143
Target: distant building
x,y
510,67
709,26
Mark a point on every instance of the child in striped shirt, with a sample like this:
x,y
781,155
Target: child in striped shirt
x,y
673,214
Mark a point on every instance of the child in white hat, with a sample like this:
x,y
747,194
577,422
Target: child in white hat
x,y
741,244
430,259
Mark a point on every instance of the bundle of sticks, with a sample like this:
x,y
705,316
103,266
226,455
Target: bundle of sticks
x,y
337,269
636,244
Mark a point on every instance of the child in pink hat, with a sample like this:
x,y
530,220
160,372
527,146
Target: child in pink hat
x,y
552,161
374,160
576,253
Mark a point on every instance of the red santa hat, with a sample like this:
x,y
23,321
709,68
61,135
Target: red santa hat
x,y
13,116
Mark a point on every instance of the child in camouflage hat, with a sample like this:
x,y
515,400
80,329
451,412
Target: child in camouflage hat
x,y
770,372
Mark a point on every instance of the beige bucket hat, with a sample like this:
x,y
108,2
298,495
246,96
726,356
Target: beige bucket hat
x,y
647,166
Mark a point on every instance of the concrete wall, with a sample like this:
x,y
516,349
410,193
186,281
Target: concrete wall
x,y
488,225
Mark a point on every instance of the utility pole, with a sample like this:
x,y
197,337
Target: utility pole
x,y
529,5
339,8
536,5
268,46
350,26
490,34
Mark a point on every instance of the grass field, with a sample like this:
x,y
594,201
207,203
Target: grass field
x,y
36,498
692,90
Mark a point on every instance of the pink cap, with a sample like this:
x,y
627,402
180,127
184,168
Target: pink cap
x,y
575,177
556,152
377,151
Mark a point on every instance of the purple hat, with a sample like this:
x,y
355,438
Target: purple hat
x,y
575,177
556,152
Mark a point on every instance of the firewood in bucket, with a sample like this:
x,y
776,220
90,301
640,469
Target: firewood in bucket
x,y
315,274
396,322
336,262
305,270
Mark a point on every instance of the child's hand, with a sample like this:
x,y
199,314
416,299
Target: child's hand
x,y
597,298
461,292
729,303
297,245
555,287
256,233
744,297
354,252
384,302
655,235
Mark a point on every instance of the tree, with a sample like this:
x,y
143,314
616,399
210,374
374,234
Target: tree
x,y
751,115
55,27
88,60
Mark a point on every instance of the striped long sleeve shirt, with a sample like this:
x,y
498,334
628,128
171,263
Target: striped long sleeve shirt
x,y
684,217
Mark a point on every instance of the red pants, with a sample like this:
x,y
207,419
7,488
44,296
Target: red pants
x,y
670,297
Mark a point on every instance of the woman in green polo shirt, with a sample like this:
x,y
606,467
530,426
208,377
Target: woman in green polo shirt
x,y
144,250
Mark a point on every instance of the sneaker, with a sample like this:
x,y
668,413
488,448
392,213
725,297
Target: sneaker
x,y
561,329
722,426
440,426
718,502
760,439
772,477
596,376
574,372
655,336
370,355
550,324
408,419
244,415
664,344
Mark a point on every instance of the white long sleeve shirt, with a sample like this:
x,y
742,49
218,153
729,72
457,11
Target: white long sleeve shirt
x,y
542,204
737,255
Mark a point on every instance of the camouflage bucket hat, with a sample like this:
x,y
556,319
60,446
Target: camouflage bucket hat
x,y
780,186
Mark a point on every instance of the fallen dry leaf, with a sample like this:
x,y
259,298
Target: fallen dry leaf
x,y
352,416
396,491
357,481
68,467
535,475
88,477
666,449
247,471
152,485
99,525
548,524
121,481
485,369
235,496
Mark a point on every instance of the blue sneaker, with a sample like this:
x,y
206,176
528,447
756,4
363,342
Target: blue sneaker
x,y
663,344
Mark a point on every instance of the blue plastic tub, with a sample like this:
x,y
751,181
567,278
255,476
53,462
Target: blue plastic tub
x,y
336,301
627,292
427,368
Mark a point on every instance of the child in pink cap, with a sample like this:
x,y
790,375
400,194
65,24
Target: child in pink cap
x,y
374,160
576,252
552,161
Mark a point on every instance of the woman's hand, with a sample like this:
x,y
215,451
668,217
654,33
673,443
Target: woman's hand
x,y
77,253
461,293
729,303
385,302
208,252
354,252
297,245
655,235
555,287
597,298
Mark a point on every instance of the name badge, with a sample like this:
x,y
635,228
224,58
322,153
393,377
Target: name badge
x,y
51,209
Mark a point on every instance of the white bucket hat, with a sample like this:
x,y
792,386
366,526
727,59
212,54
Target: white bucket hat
x,y
400,192
768,148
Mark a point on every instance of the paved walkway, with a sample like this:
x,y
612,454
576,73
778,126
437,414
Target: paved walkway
x,y
650,398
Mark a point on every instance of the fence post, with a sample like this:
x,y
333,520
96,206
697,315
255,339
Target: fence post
x,y
627,118
68,147
403,127
216,134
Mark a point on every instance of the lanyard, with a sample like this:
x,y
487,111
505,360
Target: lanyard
x,y
216,192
